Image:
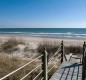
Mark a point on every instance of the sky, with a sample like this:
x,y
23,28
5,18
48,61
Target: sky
x,y
42,13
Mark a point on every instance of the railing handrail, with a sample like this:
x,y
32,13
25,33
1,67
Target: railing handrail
x,y
20,68
60,49
30,72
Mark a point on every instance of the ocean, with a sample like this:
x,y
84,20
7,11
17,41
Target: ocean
x,y
46,32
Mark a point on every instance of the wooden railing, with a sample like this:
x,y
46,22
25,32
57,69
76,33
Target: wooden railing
x,y
44,64
84,62
8,75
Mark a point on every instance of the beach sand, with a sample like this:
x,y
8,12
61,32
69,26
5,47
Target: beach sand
x,y
33,43
36,40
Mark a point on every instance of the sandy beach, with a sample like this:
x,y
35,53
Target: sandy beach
x,y
36,40
33,42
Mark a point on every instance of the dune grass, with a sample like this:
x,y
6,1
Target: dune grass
x,y
10,45
73,49
52,47
8,65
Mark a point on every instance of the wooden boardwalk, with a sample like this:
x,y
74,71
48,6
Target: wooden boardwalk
x,y
68,70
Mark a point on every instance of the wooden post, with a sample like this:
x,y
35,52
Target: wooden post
x,y
83,53
84,62
44,65
83,76
62,52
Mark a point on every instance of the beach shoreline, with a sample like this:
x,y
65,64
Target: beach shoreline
x,y
39,39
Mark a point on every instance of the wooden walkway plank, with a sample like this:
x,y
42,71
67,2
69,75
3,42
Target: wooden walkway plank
x,y
68,70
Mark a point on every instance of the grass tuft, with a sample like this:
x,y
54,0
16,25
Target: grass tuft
x,y
10,45
73,49
8,64
51,47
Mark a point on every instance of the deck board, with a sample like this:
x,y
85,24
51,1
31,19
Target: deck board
x,y
68,70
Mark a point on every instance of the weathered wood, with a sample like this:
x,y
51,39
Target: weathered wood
x,y
62,52
65,57
84,62
45,65
68,70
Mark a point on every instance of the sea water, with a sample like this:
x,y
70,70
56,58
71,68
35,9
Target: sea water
x,y
46,32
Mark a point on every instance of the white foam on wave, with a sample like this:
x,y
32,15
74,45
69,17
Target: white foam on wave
x,y
67,34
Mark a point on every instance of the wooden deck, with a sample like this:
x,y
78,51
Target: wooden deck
x,y
68,70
